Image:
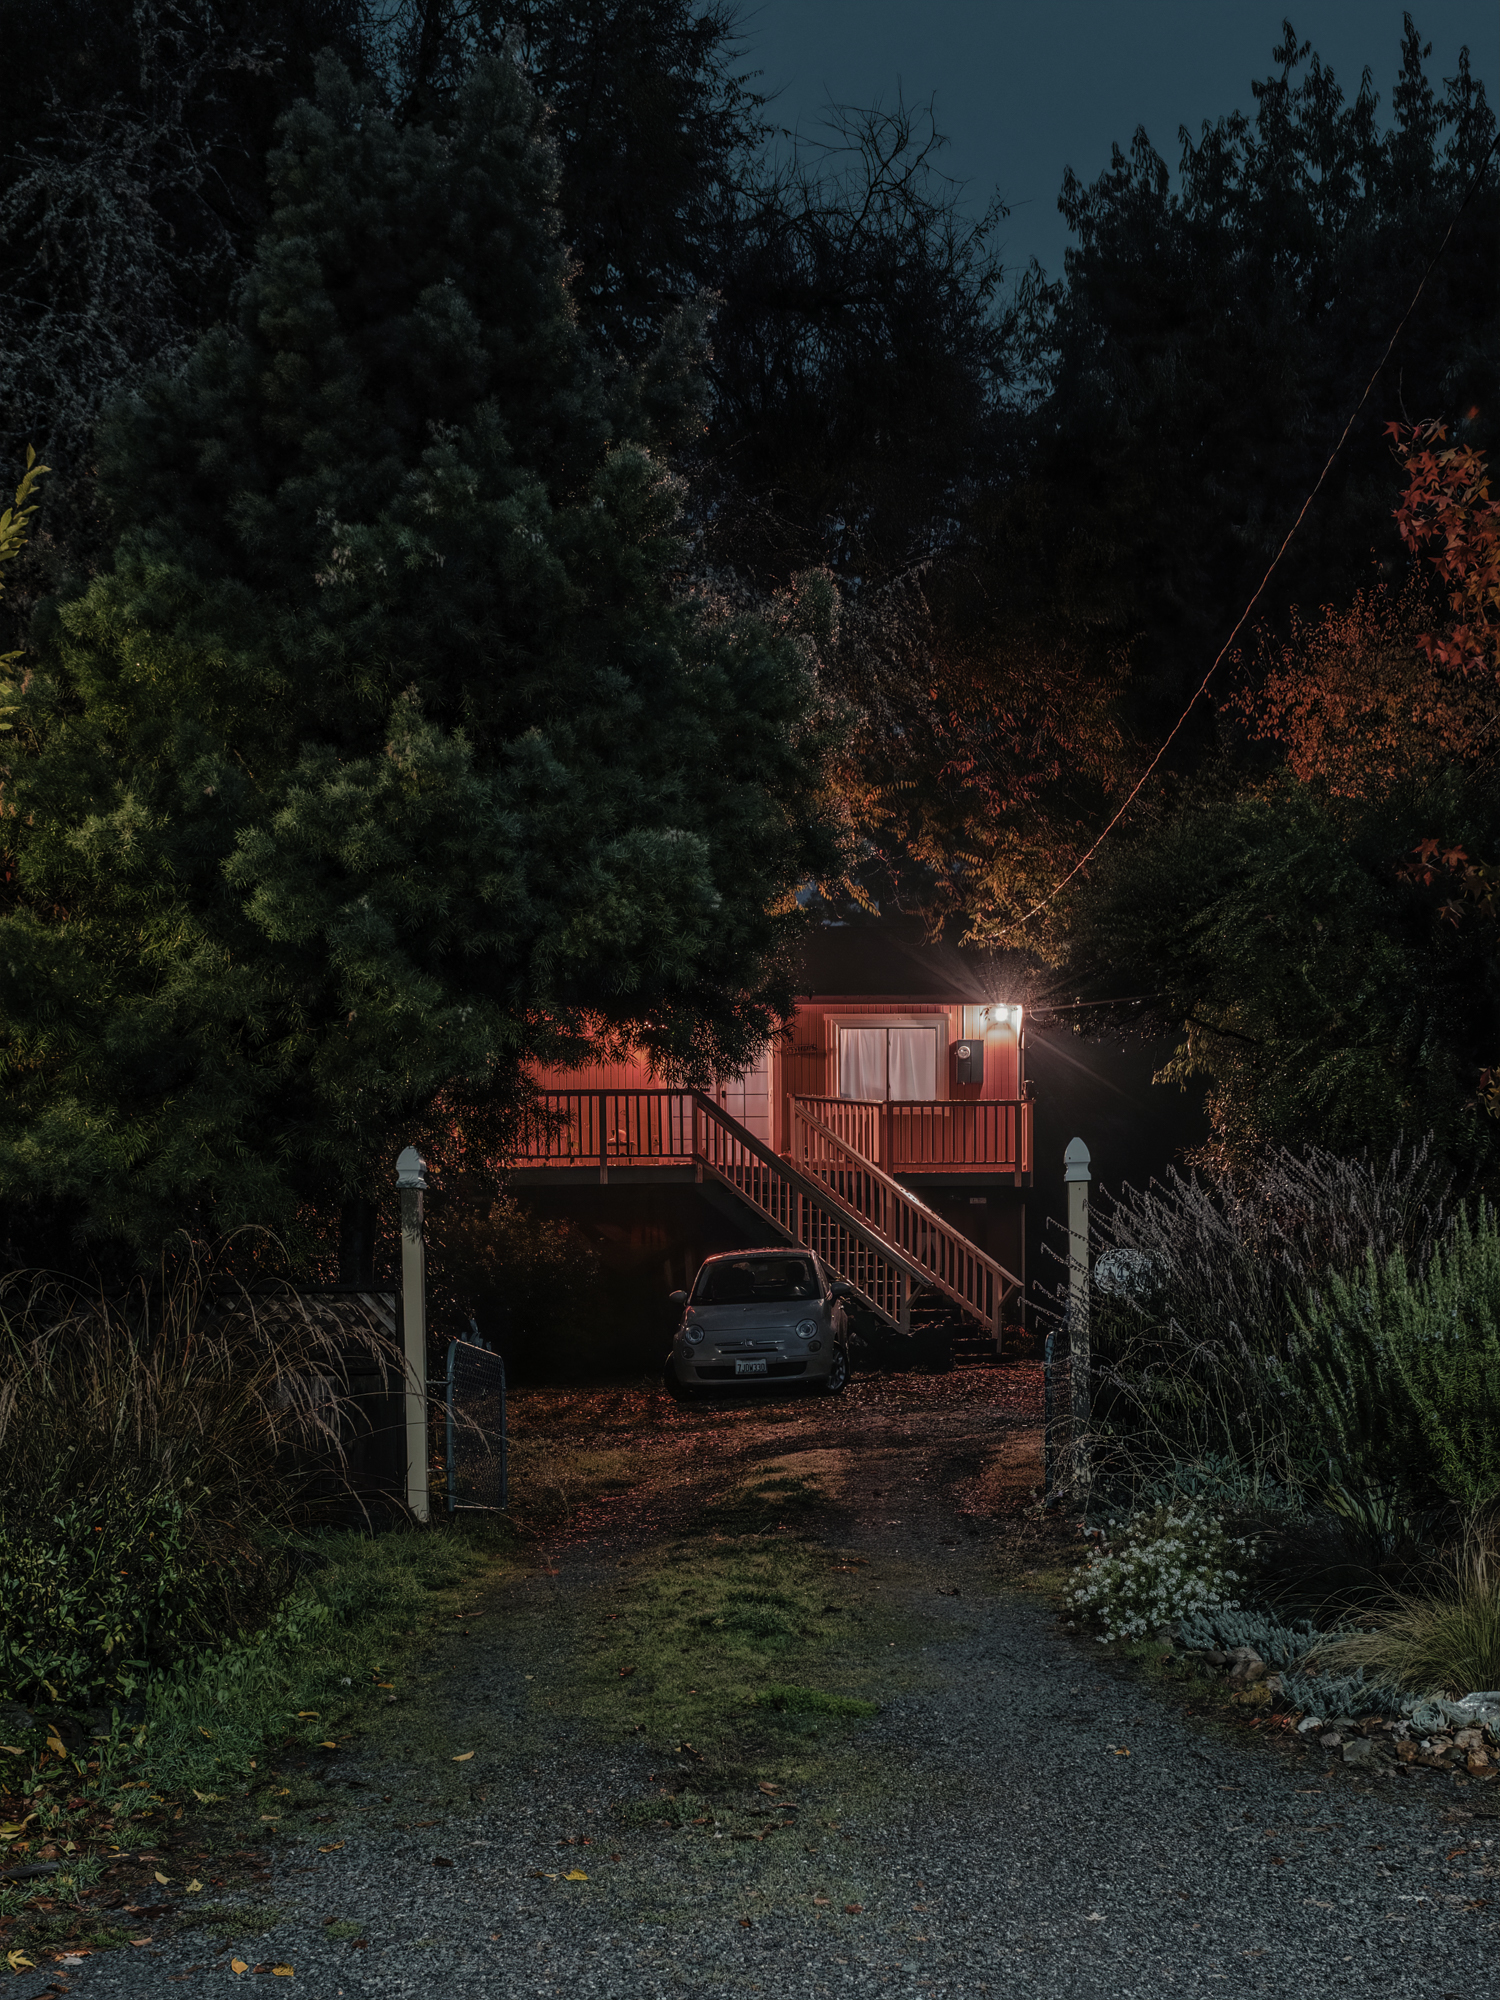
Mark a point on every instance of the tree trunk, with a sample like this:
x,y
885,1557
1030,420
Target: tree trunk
x,y
357,1224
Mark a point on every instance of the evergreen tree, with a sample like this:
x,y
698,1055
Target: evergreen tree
x,y
133,145
383,759
1212,338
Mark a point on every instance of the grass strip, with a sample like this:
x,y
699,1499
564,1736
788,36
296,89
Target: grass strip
x,y
217,1735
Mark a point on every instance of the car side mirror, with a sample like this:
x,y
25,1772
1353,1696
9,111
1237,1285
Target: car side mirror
x,y
677,1298
842,1289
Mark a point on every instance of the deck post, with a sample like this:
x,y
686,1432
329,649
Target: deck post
x,y
411,1179
903,1296
603,1144
1076,1175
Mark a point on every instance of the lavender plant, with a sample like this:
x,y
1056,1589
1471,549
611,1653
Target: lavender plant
x,y
1198,1286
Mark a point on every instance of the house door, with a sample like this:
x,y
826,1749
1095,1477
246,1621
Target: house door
x,y
879,1065
748,1097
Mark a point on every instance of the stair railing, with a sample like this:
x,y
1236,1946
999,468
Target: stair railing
x,y
958,1268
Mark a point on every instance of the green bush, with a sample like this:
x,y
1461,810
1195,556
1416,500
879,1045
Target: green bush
x,y
100,1594
1193,1312
1397,1377
158,1449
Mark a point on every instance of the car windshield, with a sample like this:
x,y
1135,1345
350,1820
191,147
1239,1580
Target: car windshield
x,y
745,1281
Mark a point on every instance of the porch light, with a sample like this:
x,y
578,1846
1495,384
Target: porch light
x,y
1000,1015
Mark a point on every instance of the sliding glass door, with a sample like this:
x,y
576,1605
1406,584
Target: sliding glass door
x,y
880,1064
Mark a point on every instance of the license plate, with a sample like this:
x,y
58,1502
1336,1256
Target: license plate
x,y
749,1367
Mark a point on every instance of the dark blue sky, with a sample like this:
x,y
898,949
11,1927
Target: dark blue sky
x,y
1025,89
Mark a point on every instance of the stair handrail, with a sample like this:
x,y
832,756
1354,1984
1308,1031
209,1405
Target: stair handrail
x,y
902,1197
812,1189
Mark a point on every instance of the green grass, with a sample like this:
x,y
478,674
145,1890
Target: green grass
x,y
814,1701
730,1649
215,1736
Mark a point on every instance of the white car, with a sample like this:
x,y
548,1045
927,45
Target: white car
x,y
761,1317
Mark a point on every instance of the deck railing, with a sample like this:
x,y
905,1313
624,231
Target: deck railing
x,y
829,1198
977,1135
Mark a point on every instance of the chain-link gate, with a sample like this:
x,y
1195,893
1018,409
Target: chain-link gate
x,y
476,1469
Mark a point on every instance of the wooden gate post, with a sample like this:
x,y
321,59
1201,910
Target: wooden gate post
x,y
1076,1174
411,1180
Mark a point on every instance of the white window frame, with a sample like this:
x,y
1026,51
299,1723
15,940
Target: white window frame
x,y
938,1022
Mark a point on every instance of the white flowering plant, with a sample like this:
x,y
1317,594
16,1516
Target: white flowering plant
x,y
1146,1572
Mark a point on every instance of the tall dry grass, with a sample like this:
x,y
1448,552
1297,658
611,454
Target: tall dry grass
x,y
159,1449
1446,1635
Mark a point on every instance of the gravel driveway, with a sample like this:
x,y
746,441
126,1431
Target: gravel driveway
x,y
1000,1839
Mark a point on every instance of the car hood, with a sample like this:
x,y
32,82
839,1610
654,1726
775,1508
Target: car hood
x,y
752,1318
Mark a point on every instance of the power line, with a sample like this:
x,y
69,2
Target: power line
x,y
1274,563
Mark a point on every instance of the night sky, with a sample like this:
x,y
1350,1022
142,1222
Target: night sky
x,y
1024,90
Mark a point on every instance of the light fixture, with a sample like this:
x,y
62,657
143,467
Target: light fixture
x,y
999,1014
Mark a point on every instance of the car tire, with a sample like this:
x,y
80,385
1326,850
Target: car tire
x,y
836,1381
678,1390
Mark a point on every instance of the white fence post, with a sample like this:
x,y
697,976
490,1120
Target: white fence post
x,y
1076,1174
411,1179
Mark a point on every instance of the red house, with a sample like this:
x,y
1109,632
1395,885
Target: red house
x,y
889,1129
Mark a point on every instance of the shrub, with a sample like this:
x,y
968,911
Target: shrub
x,y
157,1449
97,1595
1193,1315
1157,1568
1399,1373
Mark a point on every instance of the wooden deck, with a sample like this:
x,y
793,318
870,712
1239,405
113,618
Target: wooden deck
x,y
655,1128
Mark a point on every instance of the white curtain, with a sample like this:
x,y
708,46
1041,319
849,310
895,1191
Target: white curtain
x,y
862,1064
913,1063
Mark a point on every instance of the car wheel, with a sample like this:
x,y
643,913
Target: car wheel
x,y
837,1379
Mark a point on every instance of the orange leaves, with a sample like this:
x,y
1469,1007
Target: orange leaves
x,y
1447,501
1357,704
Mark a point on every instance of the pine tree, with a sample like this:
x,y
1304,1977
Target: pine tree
x,y
383,759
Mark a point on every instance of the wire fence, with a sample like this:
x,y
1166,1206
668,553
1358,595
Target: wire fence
x,y
476,1471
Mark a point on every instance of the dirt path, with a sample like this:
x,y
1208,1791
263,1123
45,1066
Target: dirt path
x,y
1018,1817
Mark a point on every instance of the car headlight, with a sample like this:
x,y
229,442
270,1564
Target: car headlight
x,y
806,1327
692,1334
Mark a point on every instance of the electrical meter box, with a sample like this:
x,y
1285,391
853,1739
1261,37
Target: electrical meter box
x,y
968,1062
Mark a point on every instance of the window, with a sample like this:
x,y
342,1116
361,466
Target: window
x,y
880,1064
745,1281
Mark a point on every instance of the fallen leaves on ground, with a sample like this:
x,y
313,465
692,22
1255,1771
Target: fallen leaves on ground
x,y
463,1756
237,1966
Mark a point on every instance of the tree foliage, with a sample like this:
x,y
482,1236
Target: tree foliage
x,y
1323,997
382,758
132,182
1213,335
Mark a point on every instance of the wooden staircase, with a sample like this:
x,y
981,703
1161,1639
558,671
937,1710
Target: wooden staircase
x,y
827,1196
